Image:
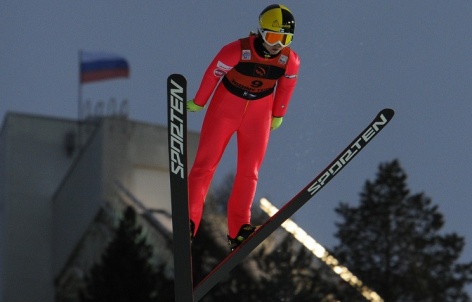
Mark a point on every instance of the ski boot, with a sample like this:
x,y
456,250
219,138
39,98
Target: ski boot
x,y
192,231
244,232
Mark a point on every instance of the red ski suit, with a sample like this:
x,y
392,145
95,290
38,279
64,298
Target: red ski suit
x,y
244,103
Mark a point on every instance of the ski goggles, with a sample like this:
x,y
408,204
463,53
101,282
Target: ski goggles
x,y
273,38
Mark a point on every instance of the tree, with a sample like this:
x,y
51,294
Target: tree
x,y
290,274
392,242
125,273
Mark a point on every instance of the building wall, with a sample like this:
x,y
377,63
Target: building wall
x,y
77,200
33,162
147,174
49,198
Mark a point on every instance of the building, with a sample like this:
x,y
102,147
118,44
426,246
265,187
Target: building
x,y
62,187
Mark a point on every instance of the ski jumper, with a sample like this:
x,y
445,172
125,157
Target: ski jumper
x,y
248,91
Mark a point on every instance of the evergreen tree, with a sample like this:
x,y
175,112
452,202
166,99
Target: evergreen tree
x,y
392,242
217,201
125,273
290,275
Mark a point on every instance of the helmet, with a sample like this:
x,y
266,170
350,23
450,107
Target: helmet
x,y
277,18
277,25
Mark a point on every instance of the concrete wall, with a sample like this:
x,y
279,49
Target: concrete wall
x,y
137,156
49,198
77,200
33,162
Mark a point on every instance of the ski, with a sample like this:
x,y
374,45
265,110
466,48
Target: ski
x,y
314,186
177,145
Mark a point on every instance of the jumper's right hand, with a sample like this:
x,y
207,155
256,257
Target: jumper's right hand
x,y
192,107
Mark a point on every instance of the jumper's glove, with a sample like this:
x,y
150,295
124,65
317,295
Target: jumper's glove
x,y
276,122
192,107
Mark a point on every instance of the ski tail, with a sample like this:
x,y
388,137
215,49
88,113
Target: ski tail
x,y
313,187
177,148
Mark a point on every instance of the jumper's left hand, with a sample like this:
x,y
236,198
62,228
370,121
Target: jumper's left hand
x,y
276,122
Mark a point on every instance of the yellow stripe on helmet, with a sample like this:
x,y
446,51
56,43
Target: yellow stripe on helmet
x,y
272,18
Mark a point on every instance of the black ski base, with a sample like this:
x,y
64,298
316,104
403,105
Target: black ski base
x,y
177,145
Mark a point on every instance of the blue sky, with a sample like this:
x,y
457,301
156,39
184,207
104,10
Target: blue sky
x,y
357,57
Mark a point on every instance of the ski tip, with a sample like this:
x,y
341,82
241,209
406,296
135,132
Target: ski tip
x,y
176,76
387,112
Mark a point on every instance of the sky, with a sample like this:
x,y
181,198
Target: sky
x,y
357,57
